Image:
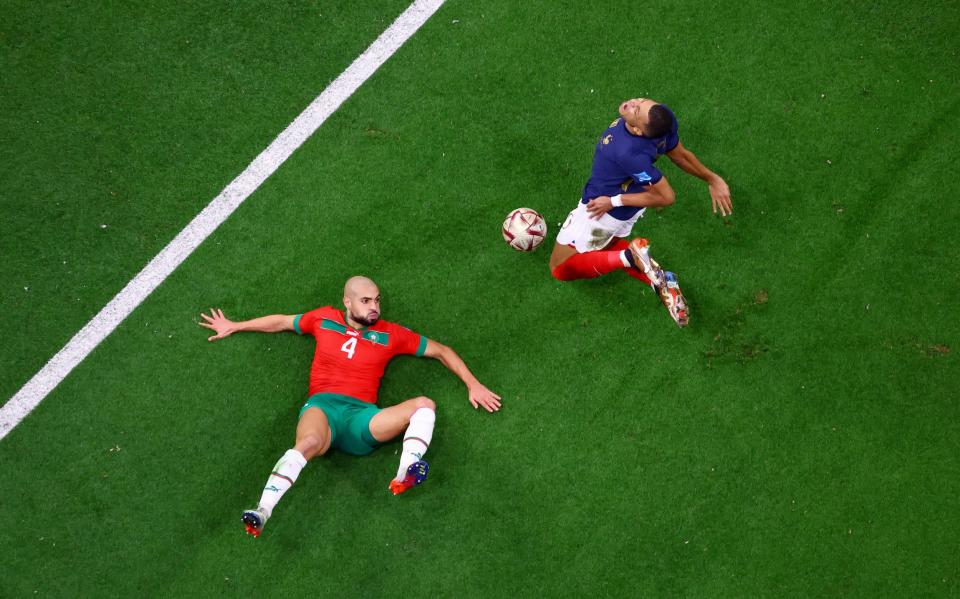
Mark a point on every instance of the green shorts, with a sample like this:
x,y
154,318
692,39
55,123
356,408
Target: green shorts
x,y
349,420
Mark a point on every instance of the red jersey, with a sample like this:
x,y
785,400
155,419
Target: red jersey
x,y
351,361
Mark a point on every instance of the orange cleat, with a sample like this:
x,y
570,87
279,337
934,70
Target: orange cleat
x,y
416,474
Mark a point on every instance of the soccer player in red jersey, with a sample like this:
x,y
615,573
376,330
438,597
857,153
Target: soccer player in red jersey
x,y
623,183
352,349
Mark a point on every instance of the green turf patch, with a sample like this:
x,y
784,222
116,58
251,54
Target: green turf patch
x,y
798,439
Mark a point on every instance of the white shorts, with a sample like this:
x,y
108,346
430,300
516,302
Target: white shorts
x,y
588,235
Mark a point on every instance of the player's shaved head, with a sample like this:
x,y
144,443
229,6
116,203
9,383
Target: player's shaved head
x,y
359,285
361,298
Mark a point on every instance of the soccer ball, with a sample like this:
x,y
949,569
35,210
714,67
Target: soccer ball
x,y
524,229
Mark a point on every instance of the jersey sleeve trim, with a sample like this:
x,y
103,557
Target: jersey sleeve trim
x,y
296,324
422,347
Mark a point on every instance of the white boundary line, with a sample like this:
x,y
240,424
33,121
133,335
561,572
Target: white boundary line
x,y
211,217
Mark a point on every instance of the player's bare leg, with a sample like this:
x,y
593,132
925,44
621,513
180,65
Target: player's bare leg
x,y
313,439
413,418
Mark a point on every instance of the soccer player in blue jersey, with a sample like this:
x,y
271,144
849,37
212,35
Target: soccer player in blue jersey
x,y
624,182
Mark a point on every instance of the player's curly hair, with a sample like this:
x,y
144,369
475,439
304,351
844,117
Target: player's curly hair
x,y
660,121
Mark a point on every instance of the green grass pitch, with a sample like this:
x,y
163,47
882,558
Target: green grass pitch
x,y
799,439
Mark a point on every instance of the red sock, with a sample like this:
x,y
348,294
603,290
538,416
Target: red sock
x,y
638,275
594,264
588,265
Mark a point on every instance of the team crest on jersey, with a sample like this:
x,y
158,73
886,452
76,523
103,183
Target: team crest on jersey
x,y
607,139
378,337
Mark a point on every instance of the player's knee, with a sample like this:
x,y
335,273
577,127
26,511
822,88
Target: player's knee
x,y
424,402
309,445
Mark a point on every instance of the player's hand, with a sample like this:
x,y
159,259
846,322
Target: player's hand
x,y
481,396
720,194
218,323
599,206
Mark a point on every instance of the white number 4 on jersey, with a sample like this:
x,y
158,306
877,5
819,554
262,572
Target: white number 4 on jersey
x,y
349,346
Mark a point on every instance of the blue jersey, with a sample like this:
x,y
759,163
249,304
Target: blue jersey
x,y
623,163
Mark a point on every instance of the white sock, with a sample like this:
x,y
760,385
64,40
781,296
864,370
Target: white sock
x,y
624,259
416,439
284,474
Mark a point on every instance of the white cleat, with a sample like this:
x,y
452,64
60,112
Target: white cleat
x,y
640,248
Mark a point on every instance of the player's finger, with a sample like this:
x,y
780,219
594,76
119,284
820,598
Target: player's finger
x,y
205,325
205,317
212,338
722,205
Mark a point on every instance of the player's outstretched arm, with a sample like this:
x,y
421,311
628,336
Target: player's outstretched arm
x,y
224,327
719,191
479,395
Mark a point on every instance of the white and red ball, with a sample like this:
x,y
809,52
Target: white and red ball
x,y
524,229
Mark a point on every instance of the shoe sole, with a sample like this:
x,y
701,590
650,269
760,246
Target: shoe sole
x,y
252,524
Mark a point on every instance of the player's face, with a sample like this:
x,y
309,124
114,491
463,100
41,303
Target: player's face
x,y
636,111
364,305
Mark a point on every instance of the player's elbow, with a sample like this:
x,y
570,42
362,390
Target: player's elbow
x,y
667,197
437,351
446,353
